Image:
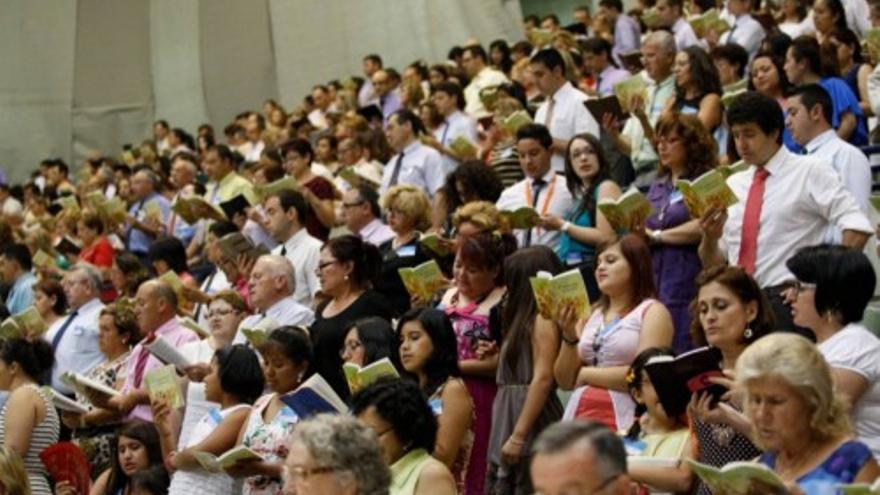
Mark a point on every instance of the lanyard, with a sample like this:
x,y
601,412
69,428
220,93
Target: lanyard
x,y
602,336
549,196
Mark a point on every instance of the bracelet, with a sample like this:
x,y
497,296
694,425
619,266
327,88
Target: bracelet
x,y
565,226
655,235
567,340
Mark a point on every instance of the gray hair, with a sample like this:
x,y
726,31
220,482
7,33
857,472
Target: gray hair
x,y
663,39
151,175
96,280
163,290
607,446
350,447
280,265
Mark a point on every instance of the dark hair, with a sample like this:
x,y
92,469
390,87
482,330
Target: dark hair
x,y
162,123
225,154
700,147
779,64
407,116
612,4
744,287
133,269
20,254
524,48
757,108
537,132
812,95
170,250
34,358
597,45
487,250
222,228
443,362
299,146
52,288
549,58
839,13
240,372
843,276
502,46
638,255
364,257
293,342
148,436
153,480
402,404
288,198
442,69
184,137
476,51
451,89
734,54
574,183
634,383
378,339
847,37
519,308
477,178
93,220
376,59
819,61
551,17
703,73
371,197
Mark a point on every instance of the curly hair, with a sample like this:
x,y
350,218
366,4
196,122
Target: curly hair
x,y
744,287
124,317
402,404
703,73
482,214
411,202
477,179
700,147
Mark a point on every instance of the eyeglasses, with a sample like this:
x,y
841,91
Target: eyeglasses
x,y
799,286
302,473
350,347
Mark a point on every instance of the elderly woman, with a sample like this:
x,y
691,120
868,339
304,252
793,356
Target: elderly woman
x,y
798,419
335,454
409,211
834,285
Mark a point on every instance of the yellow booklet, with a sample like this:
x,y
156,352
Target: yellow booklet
x,y
284,183
96,200
706,191
875,202
861,488
628,89
872,44
174,281
434,243
215,464
463,148
259,333
359,378
739,478
650,17
42,259
114,210
524,217
26,324
539,37
553,294
193,208
708,21
628,212
733,168
423,280
69,204
514,121
162,384
153,211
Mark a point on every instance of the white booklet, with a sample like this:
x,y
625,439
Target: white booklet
x,y
166,353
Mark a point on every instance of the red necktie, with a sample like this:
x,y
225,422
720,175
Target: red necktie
x,y
748,248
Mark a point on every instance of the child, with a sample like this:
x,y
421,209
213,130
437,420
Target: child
x,y
151,481
655,434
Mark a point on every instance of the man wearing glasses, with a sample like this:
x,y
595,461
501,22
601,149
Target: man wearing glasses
x,y
361,213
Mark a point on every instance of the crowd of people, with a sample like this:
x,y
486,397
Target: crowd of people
x,y
335,194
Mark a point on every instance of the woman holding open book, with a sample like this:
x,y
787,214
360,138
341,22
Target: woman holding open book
x,y
686,152
595,355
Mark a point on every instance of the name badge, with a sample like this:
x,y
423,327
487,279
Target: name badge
x,y
574,258
406,251
436,406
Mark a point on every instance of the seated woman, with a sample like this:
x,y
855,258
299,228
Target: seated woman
x,y
135,449
234,382
407,428
834,285
596,353
797,419
428,354
28,421
369,340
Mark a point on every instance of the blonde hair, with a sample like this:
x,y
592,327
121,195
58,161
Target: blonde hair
x,y
483,214
232,298
13,477
412,202
798,362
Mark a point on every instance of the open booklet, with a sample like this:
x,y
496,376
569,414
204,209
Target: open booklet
x,y
463,148
65,403
28,323
524,217
553,294
627,89
434,243
162,384
359,378
861,488
515,120
235,244
216,464
739,478
282,184
871,43
258,333
42,259
187,322
628,212
194,208
706,191
676,379
173,280
708,21
356,177
166,352
86,386
314,396
423,280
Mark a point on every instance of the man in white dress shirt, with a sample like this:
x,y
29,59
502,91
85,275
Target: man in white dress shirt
x,y
671,15
745,31
74,338
563,112
271,287
542,189
448,97
362,215
367,95
786,202
285,211
475,62
414,163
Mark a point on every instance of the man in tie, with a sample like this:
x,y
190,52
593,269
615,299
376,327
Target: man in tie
x,y
271,288
414,163
74,338
746,31
144,228
542,188
563,112
157,318
285,211
449,100
387,93
786,202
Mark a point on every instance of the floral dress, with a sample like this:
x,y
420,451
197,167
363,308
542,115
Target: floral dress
x,y
95,441
269,439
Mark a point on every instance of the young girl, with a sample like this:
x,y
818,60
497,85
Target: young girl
x,y
152,481
234,382
654,433
286,357
429,354
136,448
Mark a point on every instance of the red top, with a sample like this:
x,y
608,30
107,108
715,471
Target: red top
x,y
323,189
100,253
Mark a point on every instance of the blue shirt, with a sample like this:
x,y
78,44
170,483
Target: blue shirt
x,y
138,240
21,295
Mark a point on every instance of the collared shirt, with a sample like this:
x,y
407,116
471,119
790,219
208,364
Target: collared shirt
x,y
78,350
304,251
851,164
684,34
176,335
376,233
230,186
11,207
643,153
610,76
138,240
553,198
21,295
627,36
802,197
745,32
457,124
422,167
390,103
284,312
569,118
858,16
367,94
486,78
253,154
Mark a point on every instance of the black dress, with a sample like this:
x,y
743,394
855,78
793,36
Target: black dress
x,y
328,335
389,283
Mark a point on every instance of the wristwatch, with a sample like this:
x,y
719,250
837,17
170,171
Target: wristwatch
x,y
655,235
565,225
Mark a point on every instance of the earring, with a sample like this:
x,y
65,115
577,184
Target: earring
x,y
748,333
346,277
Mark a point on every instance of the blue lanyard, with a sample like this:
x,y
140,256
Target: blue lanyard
x,y
602,336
